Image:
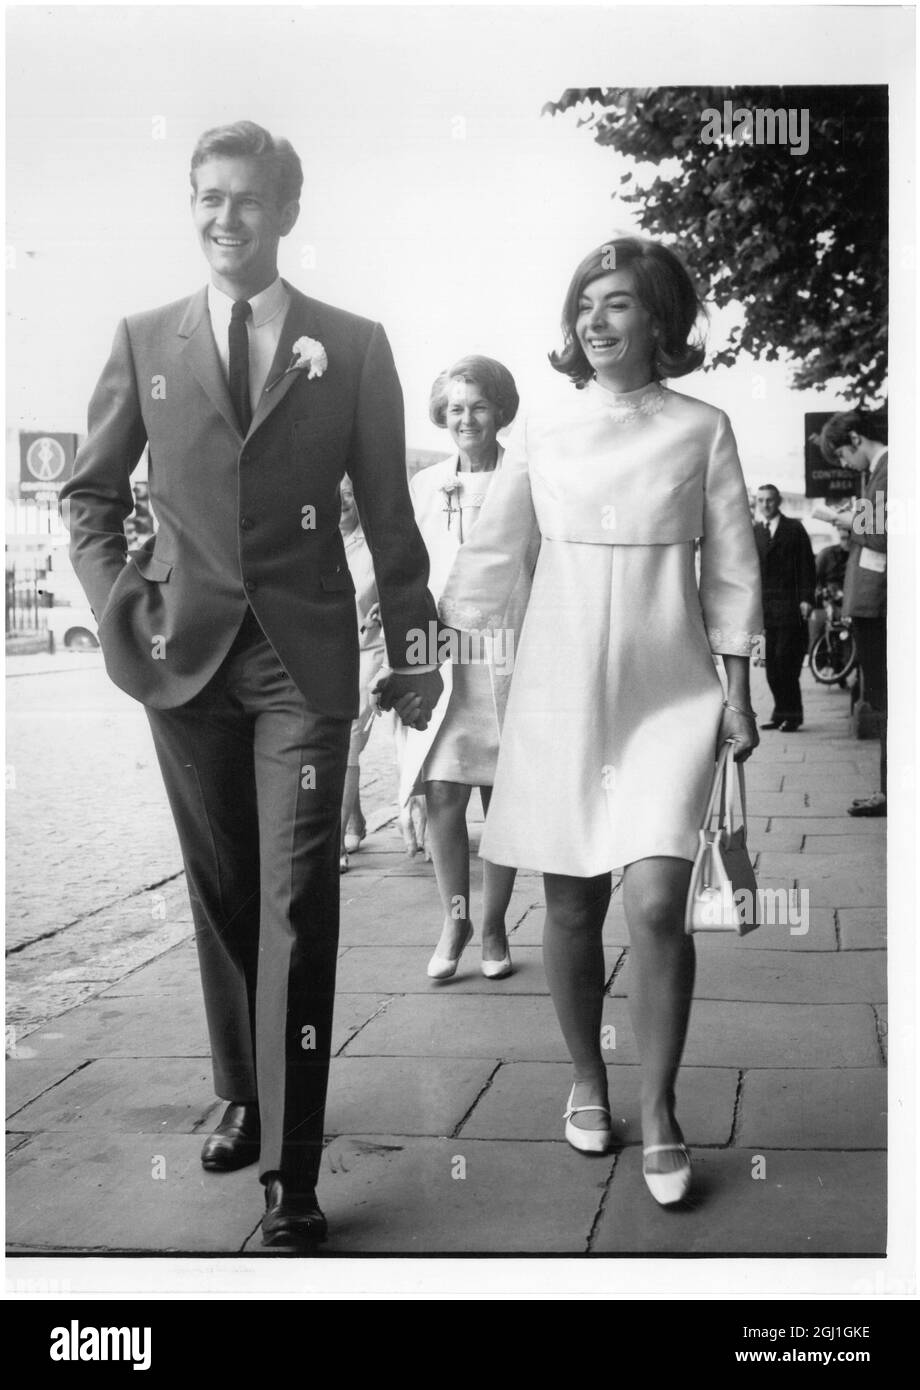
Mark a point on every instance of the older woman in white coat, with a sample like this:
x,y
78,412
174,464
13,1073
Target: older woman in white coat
x,y
473,400
616,709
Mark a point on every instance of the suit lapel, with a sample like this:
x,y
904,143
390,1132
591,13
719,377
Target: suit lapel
x,y
199,352
279,380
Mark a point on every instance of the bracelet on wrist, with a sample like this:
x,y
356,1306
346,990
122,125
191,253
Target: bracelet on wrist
x,y
747,713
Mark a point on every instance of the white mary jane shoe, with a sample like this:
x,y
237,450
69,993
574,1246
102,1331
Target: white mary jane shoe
x,y
586,1141
668,1188
497,969
442,967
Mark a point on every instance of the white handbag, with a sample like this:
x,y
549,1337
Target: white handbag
x,y
723,891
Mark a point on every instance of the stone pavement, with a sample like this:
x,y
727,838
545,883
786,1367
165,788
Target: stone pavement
x,y
445,1113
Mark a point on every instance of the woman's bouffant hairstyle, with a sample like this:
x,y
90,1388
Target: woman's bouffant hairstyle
x,y
246,140
664,288
493,379
871,424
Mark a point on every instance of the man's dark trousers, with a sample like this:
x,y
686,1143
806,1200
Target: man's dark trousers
x,y
787,568
254,779
871,640
785,649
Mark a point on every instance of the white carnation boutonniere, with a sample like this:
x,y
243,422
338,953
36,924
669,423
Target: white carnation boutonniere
x,y
307,354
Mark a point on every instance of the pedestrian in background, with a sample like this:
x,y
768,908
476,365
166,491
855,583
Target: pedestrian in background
x,y
373,654
831,562
854,439
472,400
787,567
830,568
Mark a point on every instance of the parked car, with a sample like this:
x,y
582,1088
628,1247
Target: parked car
x,y
71,627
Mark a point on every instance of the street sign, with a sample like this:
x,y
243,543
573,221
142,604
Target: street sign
x,y
823,479
45,464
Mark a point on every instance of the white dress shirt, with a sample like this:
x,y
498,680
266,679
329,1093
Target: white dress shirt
x,y
264,327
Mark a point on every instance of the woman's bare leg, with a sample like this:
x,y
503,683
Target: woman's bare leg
x,y
573,957
497,887
450,851
350,804
661,969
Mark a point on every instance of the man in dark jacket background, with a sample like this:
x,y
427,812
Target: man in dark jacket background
x,y
787,567
854,439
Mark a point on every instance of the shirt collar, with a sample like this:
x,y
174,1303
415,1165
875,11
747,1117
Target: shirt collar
x,y
877,460
265,305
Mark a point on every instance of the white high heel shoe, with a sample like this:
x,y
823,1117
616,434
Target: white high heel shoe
x,y
668,1188
442,967
497,969
586,1141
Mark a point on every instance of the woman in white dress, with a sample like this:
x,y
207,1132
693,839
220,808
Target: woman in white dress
x,y
474,399
616,710
372,658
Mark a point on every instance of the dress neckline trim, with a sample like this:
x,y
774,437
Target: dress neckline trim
x,y
624,406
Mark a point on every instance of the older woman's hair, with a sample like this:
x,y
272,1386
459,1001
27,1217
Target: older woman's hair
x,y
246,140
663,287
871,424
493,379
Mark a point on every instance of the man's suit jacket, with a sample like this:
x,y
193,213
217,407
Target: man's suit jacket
x,y
865,585
252,520
787,567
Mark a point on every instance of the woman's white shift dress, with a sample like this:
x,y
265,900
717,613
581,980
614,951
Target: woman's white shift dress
x,y
461,742
610,731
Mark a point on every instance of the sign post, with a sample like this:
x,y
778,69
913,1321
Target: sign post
x,y
45,464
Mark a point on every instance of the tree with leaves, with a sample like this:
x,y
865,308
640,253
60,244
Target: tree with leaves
x,y
798,238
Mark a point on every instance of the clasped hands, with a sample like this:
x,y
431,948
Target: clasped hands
x,y
412,696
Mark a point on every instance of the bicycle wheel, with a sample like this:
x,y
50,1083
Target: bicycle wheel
x,y
832,655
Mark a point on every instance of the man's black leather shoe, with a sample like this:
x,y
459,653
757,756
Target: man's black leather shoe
x,y
771,724
790,727
235,1141
291,1218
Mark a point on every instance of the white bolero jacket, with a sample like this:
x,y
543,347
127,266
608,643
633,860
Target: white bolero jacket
x,y
663,471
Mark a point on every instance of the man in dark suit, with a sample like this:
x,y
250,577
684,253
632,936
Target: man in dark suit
x,y
787,567
235,626
851,439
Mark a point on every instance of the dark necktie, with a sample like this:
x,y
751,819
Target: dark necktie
x,y
239,363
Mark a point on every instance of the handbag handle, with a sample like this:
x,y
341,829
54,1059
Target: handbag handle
x,y
722,792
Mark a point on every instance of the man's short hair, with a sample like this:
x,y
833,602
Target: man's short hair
x,y
771,487
246,140
871,424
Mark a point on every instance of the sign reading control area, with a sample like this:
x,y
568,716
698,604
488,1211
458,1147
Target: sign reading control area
x,y
822,479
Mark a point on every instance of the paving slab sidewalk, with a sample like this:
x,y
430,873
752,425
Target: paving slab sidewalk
x,y
445,1113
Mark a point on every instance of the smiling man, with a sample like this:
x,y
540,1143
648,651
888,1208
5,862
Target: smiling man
x,y
235,627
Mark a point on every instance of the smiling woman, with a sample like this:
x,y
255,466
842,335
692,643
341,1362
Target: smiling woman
x,y
615,710
630,303
472,400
